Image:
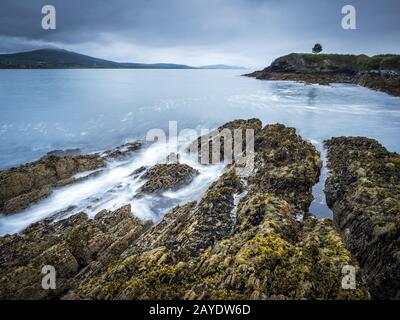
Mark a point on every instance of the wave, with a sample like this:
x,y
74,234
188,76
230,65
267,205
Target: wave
x,y
114,187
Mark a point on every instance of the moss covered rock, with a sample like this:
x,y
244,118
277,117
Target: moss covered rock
x,y
242,240
76,247
167,176
254,248
22,186
363,191
218,144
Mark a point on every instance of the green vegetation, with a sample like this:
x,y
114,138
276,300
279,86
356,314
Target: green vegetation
x,y
357,62
317,48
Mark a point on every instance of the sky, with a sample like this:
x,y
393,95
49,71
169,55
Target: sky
x,y
250,33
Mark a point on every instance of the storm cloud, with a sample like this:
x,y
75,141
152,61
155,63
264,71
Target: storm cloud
x,y
198,32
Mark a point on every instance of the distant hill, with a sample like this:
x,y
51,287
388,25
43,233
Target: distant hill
x,y
58,58
222,66
52,58
63,59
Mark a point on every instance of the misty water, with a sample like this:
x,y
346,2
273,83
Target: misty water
x,y
44,110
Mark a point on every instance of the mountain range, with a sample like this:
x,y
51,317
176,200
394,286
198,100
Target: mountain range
x,y
63,59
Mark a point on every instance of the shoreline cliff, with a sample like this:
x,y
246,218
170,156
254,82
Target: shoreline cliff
x,y
380,72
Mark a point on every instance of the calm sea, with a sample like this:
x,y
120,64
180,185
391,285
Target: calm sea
x,y
43,110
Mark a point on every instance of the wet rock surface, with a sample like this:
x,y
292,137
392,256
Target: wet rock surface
x,y
22,186
75,247
363,191
122,151
167,176
286,165
222,137
385,81
218,249
65,153
27,184
242,240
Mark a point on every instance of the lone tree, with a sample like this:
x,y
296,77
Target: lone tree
x,y
317,48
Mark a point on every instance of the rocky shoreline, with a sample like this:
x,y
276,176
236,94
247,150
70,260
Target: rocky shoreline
x,y
380,73
363,191
248,237
22,186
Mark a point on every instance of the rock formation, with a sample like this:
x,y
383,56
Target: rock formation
x,y
219,137
22,186
76,247
167,176
380,72
248,237
218,249
363,190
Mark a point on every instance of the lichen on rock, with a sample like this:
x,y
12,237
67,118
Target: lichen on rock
x,y
76,247
197,250
22,186
362,190
167,176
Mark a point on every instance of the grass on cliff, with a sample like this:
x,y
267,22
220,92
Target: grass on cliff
x,y
358,62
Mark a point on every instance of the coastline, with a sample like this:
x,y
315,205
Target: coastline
x,y
327,69
201,250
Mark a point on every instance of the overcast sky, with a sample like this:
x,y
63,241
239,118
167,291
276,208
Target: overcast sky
x,y
198,32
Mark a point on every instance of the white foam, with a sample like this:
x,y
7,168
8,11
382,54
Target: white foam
x,y
113,188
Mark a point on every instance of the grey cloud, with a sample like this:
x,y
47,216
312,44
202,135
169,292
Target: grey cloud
x,y
252,31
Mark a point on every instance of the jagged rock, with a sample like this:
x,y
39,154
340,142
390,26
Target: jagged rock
x,y
64,153
163,177
161,233
122,151
276,259
23,201
202,251
286,165
203,146
241,240
24,185
210,220
386,81
138,171
364,194
76,247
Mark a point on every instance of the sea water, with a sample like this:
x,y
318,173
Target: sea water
x,y
44,110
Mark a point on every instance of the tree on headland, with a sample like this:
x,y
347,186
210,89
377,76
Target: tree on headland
x,y
317,48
